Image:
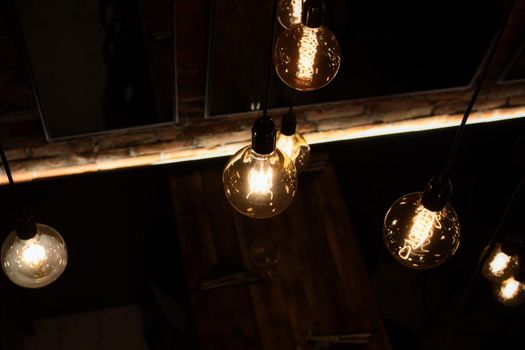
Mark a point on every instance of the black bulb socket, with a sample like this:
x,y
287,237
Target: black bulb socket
x,y
288,124
26,228
263,135
437,193
313,13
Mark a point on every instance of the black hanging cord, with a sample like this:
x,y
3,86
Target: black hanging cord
x,y
496,236
6,167
270,62
292,95
481,79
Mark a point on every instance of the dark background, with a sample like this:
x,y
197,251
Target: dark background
x,y
388,47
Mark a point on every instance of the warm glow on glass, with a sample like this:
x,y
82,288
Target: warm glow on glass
x,y
417,237
307,58
257,185
500,266
296,148
289,12
509,292
35,262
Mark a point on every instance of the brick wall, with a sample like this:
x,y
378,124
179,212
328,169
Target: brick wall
x,y
32,159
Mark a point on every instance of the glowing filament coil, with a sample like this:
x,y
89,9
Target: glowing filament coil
x,y
307,53
34,254
260,181
509,288
499,263
420,233
297,10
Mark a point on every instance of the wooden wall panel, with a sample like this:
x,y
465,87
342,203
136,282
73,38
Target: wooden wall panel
x,y
319,286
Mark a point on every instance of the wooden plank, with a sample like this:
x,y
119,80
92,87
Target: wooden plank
x,y
350,265
319,286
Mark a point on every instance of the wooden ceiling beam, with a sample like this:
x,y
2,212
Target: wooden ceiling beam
x,y
37,159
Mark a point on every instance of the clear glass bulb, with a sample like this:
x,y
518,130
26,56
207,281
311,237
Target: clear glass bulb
x,y
34,262
307,58
417,237
509,292
259,185
500,266
296,148
289,12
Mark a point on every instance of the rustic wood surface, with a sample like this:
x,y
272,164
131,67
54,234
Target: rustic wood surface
x,y
319,286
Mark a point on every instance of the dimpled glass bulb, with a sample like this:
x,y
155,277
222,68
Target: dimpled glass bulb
x,y
296,148
307,58
289,12
34,262
417,237
500,266
259,185
509,292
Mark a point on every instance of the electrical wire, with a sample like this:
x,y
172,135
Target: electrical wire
x,y
292,96
270,62
6,167
484,71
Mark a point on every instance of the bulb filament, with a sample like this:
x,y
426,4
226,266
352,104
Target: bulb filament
x,y
499,263
307,51
297,10
260,181
286,145
420,233
33,255
509,288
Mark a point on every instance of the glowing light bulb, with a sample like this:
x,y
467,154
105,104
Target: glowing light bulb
x,y
307,58
296,148
500,266
260,180
33,255
34,262
259,185
417,237
289,12
510,292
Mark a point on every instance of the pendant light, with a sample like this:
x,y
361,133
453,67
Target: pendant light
x,y
289,12
421,230
510,292
33,255
260,180
502,263
307,56
291,142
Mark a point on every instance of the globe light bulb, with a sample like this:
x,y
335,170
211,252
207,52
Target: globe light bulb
x,y
307,56
296,148
37,261
289,12
419,237
509,292
259,180
292,143
500,266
